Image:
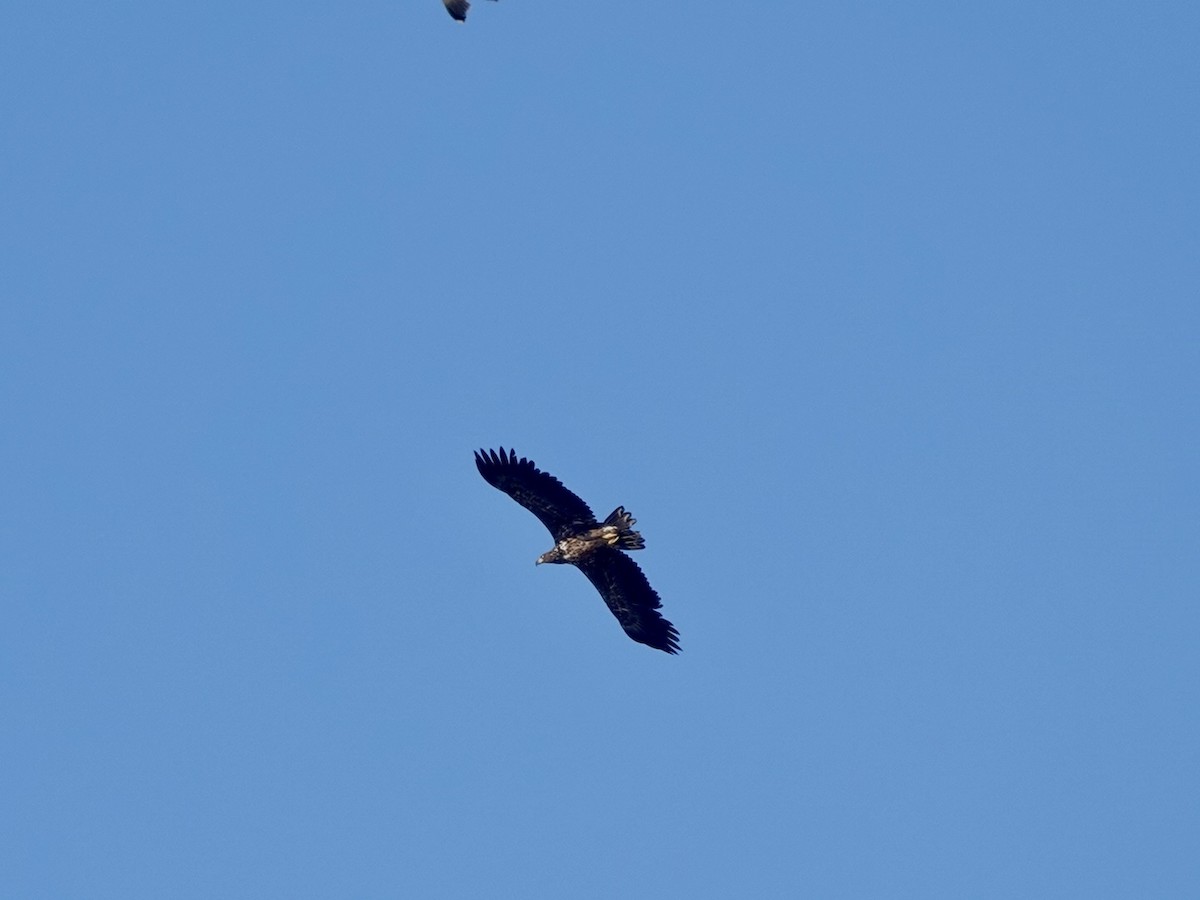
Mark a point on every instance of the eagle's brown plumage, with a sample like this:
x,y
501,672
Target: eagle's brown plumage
x,y
595,548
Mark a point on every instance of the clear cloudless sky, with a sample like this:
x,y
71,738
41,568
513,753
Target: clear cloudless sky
x,y
882,318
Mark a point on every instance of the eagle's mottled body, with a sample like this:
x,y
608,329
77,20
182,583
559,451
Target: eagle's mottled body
x,y
617,531
595,548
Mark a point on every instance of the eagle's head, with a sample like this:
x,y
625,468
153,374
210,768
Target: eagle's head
x,y
550,556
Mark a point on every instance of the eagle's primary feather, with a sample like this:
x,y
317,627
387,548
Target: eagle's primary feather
x,y
457,9
593,547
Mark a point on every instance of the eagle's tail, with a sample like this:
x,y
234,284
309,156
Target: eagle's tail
x,y
627,538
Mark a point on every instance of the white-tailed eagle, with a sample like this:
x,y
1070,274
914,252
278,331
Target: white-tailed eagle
x,y
595,548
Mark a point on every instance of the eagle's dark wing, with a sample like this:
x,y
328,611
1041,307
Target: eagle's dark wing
x,y
457,9
539,492
628,594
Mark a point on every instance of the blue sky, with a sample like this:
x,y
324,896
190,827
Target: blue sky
x,y
882,320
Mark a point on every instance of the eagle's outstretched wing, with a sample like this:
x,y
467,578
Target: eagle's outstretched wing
x,y
539,492
628,594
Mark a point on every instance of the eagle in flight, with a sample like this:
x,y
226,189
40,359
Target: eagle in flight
x,y
457,9
595,548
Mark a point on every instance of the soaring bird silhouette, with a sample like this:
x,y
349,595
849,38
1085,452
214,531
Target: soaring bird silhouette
x,y
595,548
